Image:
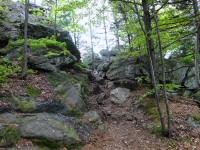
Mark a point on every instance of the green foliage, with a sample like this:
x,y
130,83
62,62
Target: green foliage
x,y
169,86
7,69
9,136
142,79
33,91
189,59
80,66
36,12
196,117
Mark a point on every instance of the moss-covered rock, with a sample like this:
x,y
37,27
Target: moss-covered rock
x,y
54,129
71,90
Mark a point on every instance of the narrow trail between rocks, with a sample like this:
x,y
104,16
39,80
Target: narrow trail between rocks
x,y
126,126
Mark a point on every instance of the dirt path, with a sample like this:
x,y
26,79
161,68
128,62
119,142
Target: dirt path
x,y
127,128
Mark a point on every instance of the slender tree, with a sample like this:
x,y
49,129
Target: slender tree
x,y
147,30
91,37
55,18
25,61
168,131
197,49
105,30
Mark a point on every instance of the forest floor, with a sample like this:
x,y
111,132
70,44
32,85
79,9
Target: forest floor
x,y
129,128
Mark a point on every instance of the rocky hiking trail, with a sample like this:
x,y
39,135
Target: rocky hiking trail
x,y
127,127
118,119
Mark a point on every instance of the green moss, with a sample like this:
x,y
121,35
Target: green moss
x,y
75,113
9,136
196,117
69,131
157,130
51,54
79,66
44,143
33,91
25,105
43,45
150,109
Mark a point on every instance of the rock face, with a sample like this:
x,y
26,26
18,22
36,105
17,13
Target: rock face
x,y
125,71
51,64
12,25
181,74
119,95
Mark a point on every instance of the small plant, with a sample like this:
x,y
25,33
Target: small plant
x,y
9,136
33,91
7,69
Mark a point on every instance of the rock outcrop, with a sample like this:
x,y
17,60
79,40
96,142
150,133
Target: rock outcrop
x,y
12,26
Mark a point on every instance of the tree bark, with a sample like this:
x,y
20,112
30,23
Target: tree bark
x,y
25,61
55,19
91,39
151,53
105,34
197,49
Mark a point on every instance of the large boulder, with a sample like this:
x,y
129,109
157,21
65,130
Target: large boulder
x,y
125,68
119,95
28,104
125,71
51,64
181,74
43,128
12,26
54,128
71,90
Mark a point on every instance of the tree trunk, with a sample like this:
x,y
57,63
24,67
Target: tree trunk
x,y
105,34
168,132
91,39
55,19
25,61
197,49
125,18
151,53
116,24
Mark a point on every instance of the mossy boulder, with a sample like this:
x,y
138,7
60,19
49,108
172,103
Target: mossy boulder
x,y
35,105
49,128
43,54
71,90
45,129
125,71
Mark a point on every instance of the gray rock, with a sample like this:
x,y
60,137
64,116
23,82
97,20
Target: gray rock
x,y
125,69
50,64
119,95
92,117
54,128
71,97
